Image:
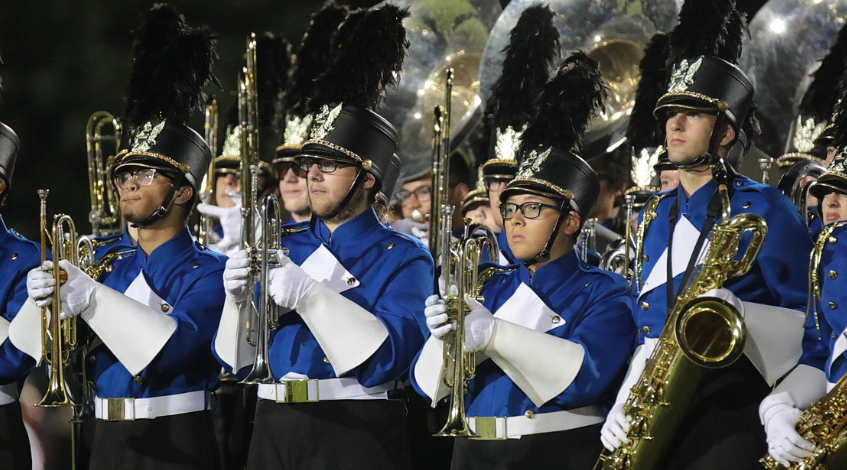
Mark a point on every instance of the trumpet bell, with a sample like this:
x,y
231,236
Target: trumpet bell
x,y
711,332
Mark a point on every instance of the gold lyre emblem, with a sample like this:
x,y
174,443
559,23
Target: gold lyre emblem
x,y
145,138
232,144
297,129
324,122
683,75
531,165
507,143
806,132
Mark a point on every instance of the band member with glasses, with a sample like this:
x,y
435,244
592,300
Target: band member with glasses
x,y
527,61
17,257
155,307
706,103
553,333
350,290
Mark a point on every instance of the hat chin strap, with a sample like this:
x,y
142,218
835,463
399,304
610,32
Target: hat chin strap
x,y
710,156
162,210
544,255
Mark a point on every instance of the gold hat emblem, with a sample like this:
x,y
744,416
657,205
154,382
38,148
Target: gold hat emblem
x,y
531,165
145,137
683,75
324,122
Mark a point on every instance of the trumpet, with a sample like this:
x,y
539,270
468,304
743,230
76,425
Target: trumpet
x,y
104,216
60,335
618,257
440,165
207,188
462,276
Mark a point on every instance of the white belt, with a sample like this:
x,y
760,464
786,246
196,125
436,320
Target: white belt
x,y
9,393
312,390
513,427
129,409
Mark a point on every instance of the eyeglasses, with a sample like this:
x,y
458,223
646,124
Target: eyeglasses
x,y
282,168
530,210
495,184
142,176
324,165
421,192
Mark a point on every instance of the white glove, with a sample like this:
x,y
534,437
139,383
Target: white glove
x,y
615,428
230,218
421,231
40,283
235,277
436,318
784,444
288,283
479,325
76,292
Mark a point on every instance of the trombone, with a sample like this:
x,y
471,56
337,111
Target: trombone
x,y
207,188
105,208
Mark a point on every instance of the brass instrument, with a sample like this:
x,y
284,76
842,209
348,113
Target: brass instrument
x,y
248,117
105,214
266,318
460,271
207,187
618,257
700,333
440,167
58,337
765,164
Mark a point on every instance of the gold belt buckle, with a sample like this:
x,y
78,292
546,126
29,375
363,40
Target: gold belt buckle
x,y
116,409
486,428
297,391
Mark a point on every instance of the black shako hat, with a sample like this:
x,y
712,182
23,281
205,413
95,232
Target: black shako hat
x,y
549,160
370,47
529,58
704,47
172,62
9,146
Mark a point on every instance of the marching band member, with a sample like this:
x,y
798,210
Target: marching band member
x,y
822,363
553,333
531,54
273,58
706,103
17,256
352,289
156,306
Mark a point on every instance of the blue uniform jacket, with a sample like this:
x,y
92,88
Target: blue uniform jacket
x,y
819,345
17,257
594,307
395,273
190,279
778,276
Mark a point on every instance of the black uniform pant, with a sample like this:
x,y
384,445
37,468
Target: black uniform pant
x,y
341,434
721,428
576,449
14,443
179,442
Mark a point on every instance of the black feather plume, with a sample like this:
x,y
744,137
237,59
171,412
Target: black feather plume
x,y
840,117
529,59
644,130
369,49
566,105
729,48
819,99
273,60
312,57
171,64
701,30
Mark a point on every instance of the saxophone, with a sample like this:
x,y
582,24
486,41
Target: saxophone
x,y
701,333
824,423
